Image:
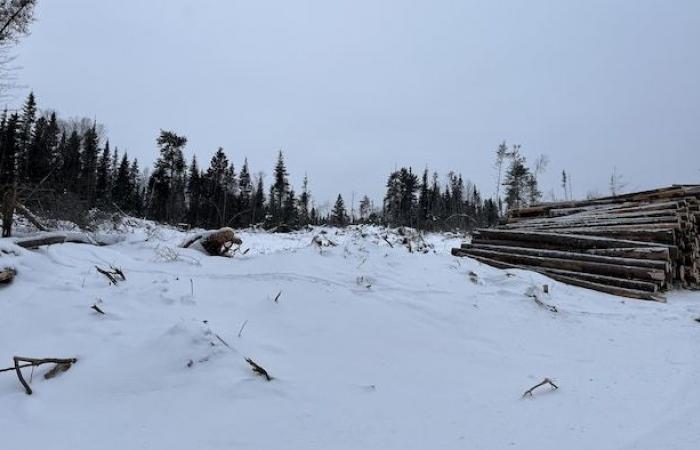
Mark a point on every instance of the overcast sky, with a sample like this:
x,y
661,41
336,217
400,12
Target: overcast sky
x,y
352,89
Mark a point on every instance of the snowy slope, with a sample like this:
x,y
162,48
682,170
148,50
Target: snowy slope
x,y
371,347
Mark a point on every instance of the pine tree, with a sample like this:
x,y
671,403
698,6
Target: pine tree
x,y
194,193
516,182
70,170
122,187
304,202
104,183
166,186
24,137
88,172
258,208
280,189
134,196
216,180
365,209
290,214
9,150
339,216
245,189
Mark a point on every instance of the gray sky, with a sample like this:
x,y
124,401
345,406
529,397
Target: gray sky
x,y
351,89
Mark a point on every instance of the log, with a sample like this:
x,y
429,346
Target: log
x,y
630,272
34,242
7,275
214,243
660,254
654,264
565,240
614,290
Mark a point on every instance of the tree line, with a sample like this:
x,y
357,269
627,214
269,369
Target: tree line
x,y
64,169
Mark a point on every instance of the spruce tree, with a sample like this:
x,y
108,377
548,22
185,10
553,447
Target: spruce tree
x,y
122,187
339,216
280,189
104,182
167,183
304,202
245,200
194,193
88,167
24,137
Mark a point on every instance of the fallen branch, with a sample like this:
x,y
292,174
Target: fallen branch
x,y
22,210
34,242
97,308
240,332
532,293
259,369
542,383
112,274
62,365
277,297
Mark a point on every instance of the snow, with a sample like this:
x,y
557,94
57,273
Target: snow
x,y
370,347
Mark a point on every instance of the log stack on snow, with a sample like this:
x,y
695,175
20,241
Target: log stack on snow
x,y
634,245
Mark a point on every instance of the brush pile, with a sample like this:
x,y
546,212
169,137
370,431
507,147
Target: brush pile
x,y
634,245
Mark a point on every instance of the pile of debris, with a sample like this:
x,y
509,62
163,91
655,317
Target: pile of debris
x,y
634,245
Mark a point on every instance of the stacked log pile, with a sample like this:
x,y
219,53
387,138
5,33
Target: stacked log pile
x,y
635,245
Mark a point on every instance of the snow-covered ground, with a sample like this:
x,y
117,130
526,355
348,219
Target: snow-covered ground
x,y
370,347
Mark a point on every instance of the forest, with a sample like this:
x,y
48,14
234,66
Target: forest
x,y
67,169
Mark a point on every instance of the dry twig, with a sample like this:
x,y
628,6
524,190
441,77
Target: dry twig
x,y
259,369
542,383
62,365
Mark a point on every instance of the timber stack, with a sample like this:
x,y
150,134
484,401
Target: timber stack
x,y
635,245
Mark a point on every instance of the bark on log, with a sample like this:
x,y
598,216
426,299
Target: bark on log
x,y
7,275
614,290
629,272
565,240
654,264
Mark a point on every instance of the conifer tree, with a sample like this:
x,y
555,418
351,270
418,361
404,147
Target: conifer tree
x,y
258,208
194,193
245,192
88,167
104,182
24,137
166,186
339,216
304,202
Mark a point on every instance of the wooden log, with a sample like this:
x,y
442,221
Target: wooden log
x,y
659,254
566,240
629,272
614,290
653,264
477,239
7,275
215,243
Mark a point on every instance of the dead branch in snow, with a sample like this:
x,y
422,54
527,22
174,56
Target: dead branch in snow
x,y
277,297
533,294
61,365
37,241
27,214
542,383
259,369
240,332
112,274
97,308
